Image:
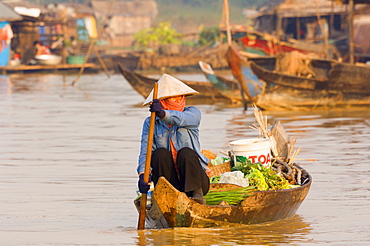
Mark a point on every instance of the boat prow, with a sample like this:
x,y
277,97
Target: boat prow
x,y
227,87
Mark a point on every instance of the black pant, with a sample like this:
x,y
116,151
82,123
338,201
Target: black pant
x,y
191,175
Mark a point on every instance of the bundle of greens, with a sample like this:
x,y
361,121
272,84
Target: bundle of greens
x,y
233,197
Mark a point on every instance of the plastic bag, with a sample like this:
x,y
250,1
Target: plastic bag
x,y
236,177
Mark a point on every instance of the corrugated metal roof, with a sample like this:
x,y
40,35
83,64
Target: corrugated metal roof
x,y
301,8
7,13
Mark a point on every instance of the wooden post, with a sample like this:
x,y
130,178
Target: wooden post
x,y
351,45
321,22
227,21
91,49
279,33
64,51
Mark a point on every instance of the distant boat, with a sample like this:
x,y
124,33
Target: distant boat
x,y
265,44
321,84
227,87
239,65
144,85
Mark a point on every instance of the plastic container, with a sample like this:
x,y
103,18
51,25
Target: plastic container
x,y
256,150
75,59
48,59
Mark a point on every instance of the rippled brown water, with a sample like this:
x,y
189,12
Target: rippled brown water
x,y
68,157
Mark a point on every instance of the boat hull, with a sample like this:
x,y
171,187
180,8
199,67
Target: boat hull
x,y
334,85
264,68
144,85
289,99
228,88
239,65
263,206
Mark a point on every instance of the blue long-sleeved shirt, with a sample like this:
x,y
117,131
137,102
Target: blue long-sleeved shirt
x,y
184,132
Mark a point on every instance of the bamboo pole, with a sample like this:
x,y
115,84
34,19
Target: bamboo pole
x,y
64,21
91,48
351,33
321,24
142,212
227,21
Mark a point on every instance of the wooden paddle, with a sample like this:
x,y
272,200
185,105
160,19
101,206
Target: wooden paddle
x,y
142,212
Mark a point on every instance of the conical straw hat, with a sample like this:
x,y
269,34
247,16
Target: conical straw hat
x,y
169,86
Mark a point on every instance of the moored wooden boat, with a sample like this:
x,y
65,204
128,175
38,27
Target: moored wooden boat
x,y
144,85
174,209
264,68
350,78
335,85
239,65
227,87
326,84
266,44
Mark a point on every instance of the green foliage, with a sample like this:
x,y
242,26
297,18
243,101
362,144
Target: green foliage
x,y
261,177
233,197
209,36
156,36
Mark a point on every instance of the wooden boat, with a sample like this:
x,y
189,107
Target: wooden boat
x,y
172,208
265,44
318,77
348,78
328,84
91,67
239,65
228,88
144,85
335,85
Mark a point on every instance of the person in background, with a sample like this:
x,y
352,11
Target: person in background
x,y
41,49
71,45
176,153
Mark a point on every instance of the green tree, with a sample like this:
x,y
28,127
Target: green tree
x,y
209,36
155,36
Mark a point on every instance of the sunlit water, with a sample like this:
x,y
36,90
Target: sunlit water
x,y
68,159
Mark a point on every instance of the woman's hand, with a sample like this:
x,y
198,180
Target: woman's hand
x,y
156,107
143,186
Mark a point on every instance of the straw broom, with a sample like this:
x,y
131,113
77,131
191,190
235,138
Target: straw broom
x,y
261,124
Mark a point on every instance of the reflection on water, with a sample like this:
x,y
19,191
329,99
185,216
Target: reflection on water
x,y
68,156
289,231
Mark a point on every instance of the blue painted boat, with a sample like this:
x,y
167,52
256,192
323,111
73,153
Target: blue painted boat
x,y
227,87
239,65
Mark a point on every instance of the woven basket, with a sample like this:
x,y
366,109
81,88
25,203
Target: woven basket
x,y
219,169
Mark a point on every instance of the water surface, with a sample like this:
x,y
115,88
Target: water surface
x,y
68,159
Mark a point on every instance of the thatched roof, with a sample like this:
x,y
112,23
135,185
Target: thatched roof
x,y
301,8
7,13
130,8
80,8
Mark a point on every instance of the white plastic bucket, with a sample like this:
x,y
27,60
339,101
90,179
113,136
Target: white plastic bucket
x,y
256,150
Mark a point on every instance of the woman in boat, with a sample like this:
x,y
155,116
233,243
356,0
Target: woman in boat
x,y
41,49
176,153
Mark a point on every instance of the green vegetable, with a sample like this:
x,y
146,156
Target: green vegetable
x,y
261,177
234,197
215,179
